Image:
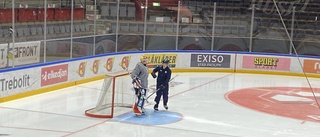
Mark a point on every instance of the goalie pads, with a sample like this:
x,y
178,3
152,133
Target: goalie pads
x,y
139,102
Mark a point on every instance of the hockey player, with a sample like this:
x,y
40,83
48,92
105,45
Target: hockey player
x,y
139,77
164,75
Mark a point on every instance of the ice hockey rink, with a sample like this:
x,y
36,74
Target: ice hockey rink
x,y
200,105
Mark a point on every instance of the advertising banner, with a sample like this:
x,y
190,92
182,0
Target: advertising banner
x,y
210,60
19,81
266,63
21,54
311,66
54,74
156,59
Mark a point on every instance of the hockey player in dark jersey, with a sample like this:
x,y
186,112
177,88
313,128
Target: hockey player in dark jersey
x,y
164,76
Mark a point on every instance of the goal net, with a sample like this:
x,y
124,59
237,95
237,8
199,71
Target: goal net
x,y
116,92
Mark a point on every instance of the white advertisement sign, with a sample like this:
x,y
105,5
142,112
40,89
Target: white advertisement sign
x,y
21,54
19,81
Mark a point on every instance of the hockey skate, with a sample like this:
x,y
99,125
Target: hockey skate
x,y
166,107
155,107
143,111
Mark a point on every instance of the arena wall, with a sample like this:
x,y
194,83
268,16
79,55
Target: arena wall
x,y
30,80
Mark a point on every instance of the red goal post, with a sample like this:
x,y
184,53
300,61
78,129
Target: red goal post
x,y
116,92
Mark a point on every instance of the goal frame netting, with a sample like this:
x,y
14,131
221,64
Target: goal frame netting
x,y
107,110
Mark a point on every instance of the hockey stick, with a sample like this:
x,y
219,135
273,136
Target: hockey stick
x,y
159,88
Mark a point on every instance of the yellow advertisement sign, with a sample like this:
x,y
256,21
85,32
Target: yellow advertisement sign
x,y
156,59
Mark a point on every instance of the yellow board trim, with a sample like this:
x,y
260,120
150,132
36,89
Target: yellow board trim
x,y
174,70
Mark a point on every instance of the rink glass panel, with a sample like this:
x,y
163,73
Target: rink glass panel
x,y
79,28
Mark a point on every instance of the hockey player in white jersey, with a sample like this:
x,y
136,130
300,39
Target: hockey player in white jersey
x,y
139,76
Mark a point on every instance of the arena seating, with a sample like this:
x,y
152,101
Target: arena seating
x,y
56,29
108,10
232,19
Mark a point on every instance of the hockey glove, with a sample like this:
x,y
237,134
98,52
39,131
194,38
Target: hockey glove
x,y
135,80
153,75
137,92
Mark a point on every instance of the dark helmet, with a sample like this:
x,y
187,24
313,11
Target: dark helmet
x,y
166,61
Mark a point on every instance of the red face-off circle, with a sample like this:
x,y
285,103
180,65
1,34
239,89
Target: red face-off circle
x,y
293,102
